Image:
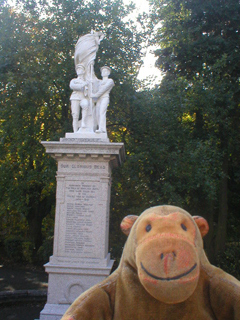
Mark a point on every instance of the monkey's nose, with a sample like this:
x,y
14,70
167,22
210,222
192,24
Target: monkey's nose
x,y
171,254
168,260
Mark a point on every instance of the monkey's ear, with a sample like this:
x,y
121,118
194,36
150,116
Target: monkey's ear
x,y
202,225
127,223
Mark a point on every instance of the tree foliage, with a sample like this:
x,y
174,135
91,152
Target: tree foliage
x,y
198,44
183,144
36,66
181,137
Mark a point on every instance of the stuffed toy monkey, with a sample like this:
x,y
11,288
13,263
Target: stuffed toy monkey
x,y
163,274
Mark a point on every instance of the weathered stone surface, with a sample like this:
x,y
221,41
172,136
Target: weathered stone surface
x,y
80,256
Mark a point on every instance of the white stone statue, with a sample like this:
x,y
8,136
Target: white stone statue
x,y
90,94
102,97
86,50
79,98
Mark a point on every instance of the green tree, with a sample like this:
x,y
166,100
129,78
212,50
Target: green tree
x,y
36,66
198,42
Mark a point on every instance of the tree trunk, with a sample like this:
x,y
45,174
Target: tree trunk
x,y
223,210
35,227
37,213
209,239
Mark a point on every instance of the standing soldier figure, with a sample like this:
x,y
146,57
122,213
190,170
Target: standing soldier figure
x,y
102,97
78,98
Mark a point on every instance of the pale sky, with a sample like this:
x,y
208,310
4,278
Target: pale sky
x,y
148,69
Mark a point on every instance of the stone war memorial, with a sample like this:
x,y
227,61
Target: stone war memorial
x,y
85,159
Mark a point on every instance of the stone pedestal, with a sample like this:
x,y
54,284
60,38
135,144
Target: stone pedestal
x,y
80,255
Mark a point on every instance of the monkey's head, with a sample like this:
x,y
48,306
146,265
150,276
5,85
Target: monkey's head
x,y
165,247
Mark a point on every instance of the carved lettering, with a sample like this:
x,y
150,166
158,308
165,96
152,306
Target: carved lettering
x,y
81,166
99,167
79,231
64,166
72,166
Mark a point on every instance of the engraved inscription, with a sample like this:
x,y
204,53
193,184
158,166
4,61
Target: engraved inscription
x,y
72,166
99,167
80,199
82,140
64,166
81,166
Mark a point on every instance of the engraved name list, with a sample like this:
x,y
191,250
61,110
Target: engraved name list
x,y
80,219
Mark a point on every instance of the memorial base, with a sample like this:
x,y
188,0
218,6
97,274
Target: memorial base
x,y
86,136
53,311
80,254
67,281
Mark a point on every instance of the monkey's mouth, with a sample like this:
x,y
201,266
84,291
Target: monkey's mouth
x,y
169,278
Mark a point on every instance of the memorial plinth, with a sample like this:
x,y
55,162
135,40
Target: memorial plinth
x,y
80,256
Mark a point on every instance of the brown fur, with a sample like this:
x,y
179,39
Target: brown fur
x,y
123,296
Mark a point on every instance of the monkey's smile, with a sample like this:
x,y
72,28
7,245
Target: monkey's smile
x,y
169,278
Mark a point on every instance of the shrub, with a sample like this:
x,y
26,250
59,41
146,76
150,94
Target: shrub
x,y
45,251
13,247
229,260
27,251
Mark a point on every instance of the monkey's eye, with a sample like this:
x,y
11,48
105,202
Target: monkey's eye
x,y
148,227
184,227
